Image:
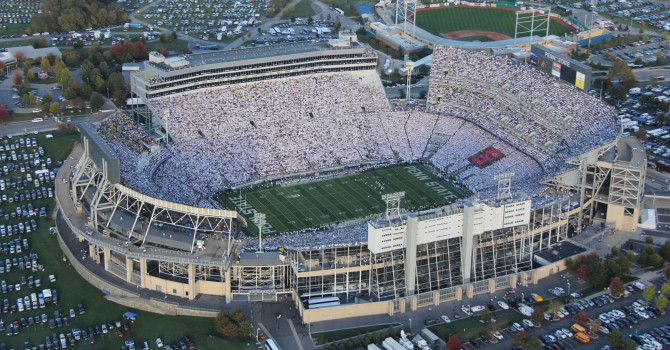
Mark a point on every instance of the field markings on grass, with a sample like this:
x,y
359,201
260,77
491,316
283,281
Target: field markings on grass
x,y
357,195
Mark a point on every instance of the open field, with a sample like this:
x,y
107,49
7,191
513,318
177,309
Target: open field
x,y
445,20
73,289
357,195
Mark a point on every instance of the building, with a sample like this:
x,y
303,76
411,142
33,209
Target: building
x,y
407,261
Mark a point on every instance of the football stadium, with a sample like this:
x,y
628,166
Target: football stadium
x,y
259,173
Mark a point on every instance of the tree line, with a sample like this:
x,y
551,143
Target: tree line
x,y
67,15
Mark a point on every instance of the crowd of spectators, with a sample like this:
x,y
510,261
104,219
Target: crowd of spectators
x,y
547,119
234,135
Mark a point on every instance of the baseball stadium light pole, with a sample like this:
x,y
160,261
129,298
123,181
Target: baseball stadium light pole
x,y
410,67
259,220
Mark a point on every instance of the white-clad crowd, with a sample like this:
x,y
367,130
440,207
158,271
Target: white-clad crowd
x,y
547,119
237,134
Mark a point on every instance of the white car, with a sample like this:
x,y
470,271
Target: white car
x,y
446,319
498,335
36,110
466,310
477,308
159,342
503,305
567,332
559,334
528,323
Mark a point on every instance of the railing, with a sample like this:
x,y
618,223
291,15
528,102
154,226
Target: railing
x,y
114,245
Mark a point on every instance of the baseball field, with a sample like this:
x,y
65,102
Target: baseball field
x,y
356,195
472,23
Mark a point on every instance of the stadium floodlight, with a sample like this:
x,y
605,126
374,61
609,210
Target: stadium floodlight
x,y
532,21
259,220
409,65
504,185
393,204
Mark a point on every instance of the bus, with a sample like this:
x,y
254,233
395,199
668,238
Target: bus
x,y
578,328
316,303
583,337
270,345
339,11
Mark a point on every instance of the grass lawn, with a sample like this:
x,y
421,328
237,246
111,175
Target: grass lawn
x,y
50,80
474,328
327,337
357,195
17,43
445,20
73,290
14,28
304,9
176,45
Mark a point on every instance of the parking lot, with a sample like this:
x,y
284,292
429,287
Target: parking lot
x,y
548,328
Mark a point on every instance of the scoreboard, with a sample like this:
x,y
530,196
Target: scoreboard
x,y
561,67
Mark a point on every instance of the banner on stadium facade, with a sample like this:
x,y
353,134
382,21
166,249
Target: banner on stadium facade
x,y
579,80
556,69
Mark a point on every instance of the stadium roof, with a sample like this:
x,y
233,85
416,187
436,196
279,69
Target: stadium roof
x,y
559,251
31,52
264,51
260,258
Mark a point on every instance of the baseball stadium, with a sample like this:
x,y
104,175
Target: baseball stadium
x,y
260,173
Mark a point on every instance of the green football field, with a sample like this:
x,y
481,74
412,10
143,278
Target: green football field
x,y
357,195
451,19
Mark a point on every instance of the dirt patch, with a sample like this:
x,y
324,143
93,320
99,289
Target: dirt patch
x,y
467,33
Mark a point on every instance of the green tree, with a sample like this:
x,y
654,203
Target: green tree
x,y
46,101
665,288
533,343
96,101
615,251
661,301
402,94
629,344
624,264
63,76
554,306
656,261
648,293
641,135
69,93
45,65
30,75
26,68
486,315
54,108
597,275
40,42
615,340
665,250
649,239
621,71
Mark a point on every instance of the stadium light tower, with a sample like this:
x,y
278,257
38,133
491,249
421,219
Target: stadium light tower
x,y
259,220
393,204
409,65
504,185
